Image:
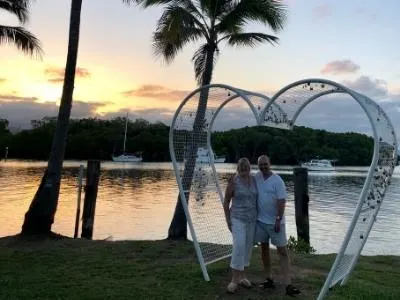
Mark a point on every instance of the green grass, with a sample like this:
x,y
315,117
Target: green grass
x,y
80,269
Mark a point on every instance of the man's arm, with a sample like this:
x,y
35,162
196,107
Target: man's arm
x,y
280,208
280,203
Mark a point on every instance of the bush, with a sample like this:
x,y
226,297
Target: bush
x,y
300,246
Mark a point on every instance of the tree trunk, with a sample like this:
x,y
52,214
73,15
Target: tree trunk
x,y
40,216
178,228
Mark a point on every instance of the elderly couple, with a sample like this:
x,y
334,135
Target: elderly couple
x,y
256,215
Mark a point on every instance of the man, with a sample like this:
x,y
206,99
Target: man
x,y
271,222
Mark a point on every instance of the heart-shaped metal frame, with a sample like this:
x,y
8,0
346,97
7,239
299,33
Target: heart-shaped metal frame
x,y
193,160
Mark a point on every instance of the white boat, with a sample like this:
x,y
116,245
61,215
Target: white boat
x,y
124,157
319,165
219,159
202,156
127,158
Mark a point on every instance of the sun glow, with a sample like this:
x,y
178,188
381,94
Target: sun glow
x,y
48,93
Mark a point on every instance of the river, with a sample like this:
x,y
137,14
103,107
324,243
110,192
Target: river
x,y
136,201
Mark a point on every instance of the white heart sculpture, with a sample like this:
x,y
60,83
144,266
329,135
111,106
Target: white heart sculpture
x,y
193,160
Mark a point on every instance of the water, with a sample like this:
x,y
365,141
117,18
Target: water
x,y
137,202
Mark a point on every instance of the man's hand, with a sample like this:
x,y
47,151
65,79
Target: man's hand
x,y
277,226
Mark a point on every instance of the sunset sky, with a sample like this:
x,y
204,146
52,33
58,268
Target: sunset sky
x,y
352,42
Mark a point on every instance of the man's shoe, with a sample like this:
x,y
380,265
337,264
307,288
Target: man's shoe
x,y
292,290
268,284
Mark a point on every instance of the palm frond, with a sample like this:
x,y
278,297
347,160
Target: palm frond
x,y
268,12
187,4
22,39
175,28
250,39
148,3
19,8
200,61
213,8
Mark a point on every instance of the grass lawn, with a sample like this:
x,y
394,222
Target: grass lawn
x,y
81,269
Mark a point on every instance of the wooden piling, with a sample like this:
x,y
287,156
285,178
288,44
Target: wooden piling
x,y
89,206
301,199
78,205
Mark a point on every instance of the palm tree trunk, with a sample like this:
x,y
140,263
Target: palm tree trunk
x,y
178,227
40,216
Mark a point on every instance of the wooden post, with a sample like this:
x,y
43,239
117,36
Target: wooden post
x,y
89,205
78,205
301,200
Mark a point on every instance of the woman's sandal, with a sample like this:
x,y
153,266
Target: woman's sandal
x,y
232,287
245,283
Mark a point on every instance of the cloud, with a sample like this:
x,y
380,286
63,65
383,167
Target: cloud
x,y
373,88
56,80
337,113
322,11
19,111
337,67
57,74
8,98
151,114
156,92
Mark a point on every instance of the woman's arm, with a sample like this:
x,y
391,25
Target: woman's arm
x,y
227,201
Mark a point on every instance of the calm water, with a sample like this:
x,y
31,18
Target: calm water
x,y
137,202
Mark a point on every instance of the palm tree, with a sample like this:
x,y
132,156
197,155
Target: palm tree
x,y
40,216
213,22
20,37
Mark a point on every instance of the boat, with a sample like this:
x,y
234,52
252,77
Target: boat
x,y
202,156
319,165
219,159
125,157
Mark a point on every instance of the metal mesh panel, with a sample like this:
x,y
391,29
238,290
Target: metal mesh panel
x,y
194,159
259,101
290,101
376,188
285,105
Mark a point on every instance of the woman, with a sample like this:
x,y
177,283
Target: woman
x,y
241,218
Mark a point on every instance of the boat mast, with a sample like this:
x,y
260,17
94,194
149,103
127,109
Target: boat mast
x,y
126,127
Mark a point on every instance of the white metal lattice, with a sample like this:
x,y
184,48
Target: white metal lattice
x,y
193,160
293,99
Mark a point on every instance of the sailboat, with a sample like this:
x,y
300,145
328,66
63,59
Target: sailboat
x,y
124,157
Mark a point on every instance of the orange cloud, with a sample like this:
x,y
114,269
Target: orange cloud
x,y
56,80
57,74
156,92
7,97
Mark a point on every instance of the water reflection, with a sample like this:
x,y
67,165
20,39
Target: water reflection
x,y
137,202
